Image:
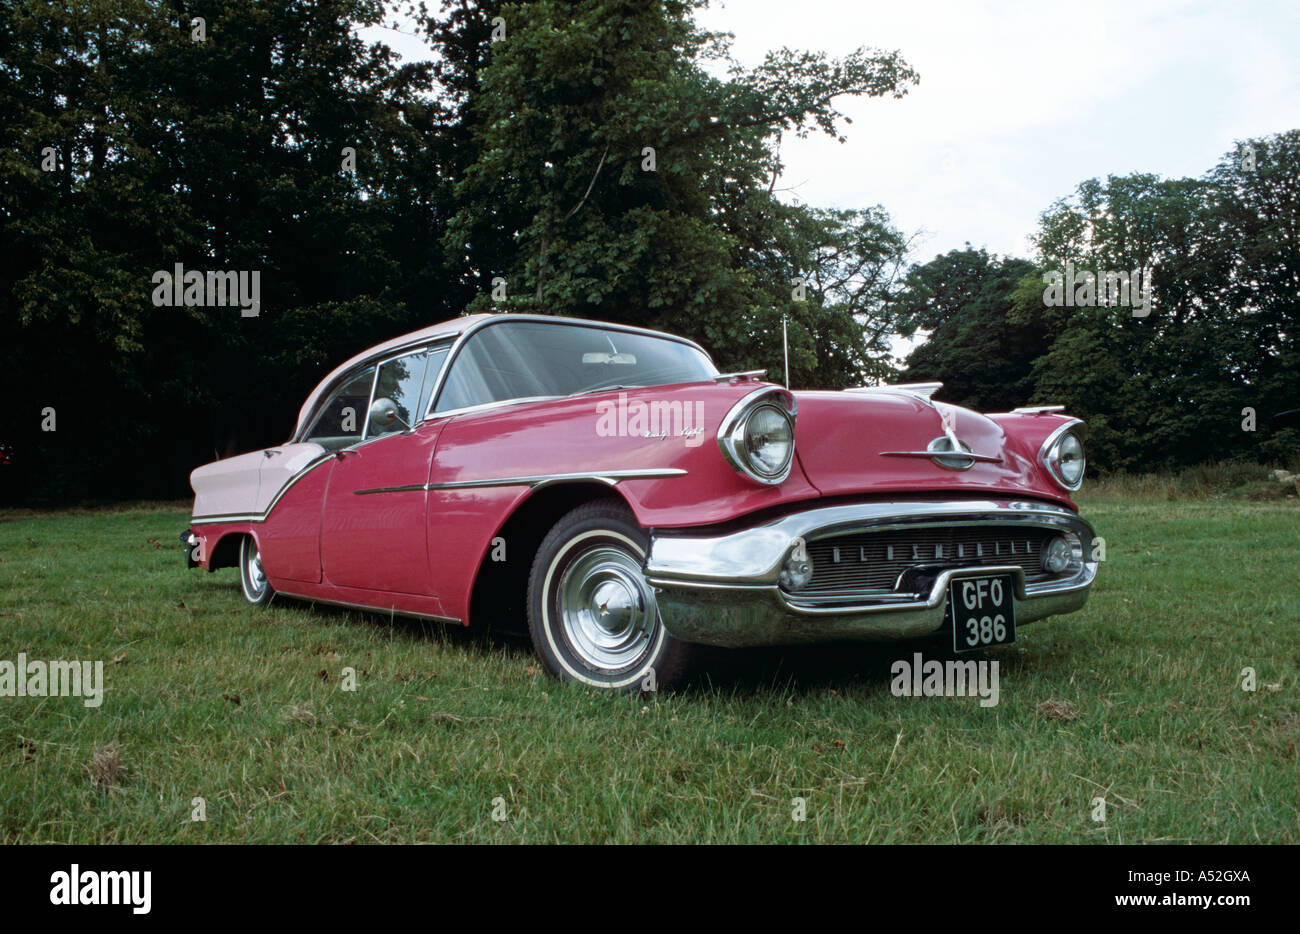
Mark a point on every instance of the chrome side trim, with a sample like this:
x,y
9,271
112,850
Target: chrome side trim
x,y
964,455
223,519
610,477
372,609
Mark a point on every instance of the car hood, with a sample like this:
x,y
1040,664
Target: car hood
x,y
850,442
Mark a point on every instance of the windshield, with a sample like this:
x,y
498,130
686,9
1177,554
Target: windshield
x,y
523,359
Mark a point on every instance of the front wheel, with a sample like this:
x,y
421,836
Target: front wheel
x,y
252,579
591,614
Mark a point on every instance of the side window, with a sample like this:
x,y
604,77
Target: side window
x,y
401,380
343,416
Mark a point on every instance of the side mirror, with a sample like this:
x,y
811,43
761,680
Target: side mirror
x,y
384,413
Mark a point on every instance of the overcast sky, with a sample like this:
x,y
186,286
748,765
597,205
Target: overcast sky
x,y
1020,100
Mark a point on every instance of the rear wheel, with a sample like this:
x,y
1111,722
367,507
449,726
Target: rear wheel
x,y
591,615
252,579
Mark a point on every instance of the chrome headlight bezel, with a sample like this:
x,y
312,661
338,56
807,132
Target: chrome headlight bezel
x,y
733,434
1049,455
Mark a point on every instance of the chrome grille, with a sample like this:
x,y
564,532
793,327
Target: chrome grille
x,y
872,561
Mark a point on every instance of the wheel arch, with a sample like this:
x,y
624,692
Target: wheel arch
x,y
225,552
500,590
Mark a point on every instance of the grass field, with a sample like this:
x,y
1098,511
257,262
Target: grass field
x,y
1137,700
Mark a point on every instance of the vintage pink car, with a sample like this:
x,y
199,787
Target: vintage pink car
x,y
610,486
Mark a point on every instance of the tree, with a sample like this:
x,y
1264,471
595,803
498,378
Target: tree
x,y
136,139
981,353
615,178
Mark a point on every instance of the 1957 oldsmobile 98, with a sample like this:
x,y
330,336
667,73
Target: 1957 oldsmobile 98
x,y
608,484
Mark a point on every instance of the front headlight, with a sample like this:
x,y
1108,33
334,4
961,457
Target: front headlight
x,y
757,437
769,441
1063,456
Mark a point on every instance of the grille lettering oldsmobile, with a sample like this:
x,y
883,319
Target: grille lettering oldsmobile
x,y
939,551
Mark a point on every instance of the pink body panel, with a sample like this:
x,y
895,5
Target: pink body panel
x,y
289,539
379,540
842,437
565,437
462,524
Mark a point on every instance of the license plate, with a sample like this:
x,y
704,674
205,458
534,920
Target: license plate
x,y
982,611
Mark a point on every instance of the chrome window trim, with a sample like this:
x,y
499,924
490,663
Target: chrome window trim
x,y
374,386
485,406
1045,450
428,343
370,401
735,418
460,340
302,437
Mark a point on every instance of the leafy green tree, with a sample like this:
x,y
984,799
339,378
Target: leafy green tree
x,y
136,138
1170,388
615,178
966,299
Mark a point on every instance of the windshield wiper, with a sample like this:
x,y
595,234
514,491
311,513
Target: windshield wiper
x,y
610,388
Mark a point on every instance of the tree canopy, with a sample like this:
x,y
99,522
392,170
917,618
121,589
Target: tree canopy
x,y
1200,374
581,152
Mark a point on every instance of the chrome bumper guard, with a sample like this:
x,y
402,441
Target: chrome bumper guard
x,y
721,589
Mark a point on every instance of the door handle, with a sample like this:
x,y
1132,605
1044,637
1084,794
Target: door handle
x,y
270,453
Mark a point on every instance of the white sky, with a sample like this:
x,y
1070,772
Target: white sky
x,y
1020,100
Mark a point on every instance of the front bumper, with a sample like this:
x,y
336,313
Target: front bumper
x,y
720,588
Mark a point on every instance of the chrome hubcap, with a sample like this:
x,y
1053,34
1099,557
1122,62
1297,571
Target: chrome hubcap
x,y
607,609
253,572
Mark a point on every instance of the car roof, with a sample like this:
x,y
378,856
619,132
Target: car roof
x,y
451,328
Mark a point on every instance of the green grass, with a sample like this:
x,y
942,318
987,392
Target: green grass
x,y
243,707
